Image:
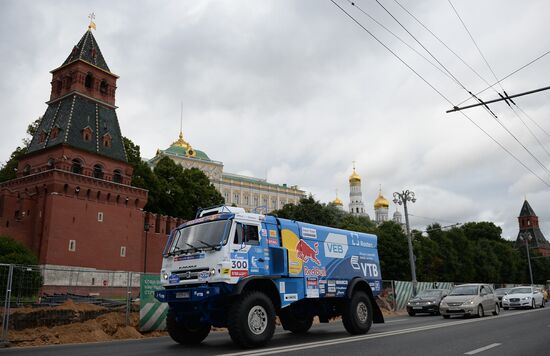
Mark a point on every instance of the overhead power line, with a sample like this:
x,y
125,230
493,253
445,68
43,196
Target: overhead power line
x,y
506,98
436,90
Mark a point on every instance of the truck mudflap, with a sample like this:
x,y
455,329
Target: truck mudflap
x,y
193,294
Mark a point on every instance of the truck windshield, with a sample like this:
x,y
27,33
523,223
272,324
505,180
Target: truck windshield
x,y
199,237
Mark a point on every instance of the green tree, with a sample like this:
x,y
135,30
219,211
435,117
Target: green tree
x,y
26,281
8,170
393,252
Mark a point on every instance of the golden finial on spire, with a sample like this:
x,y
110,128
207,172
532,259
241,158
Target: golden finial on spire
x,y
92,23
354,178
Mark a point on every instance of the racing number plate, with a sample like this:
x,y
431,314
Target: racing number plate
x,y
182,295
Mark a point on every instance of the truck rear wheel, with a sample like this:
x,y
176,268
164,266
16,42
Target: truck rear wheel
x,y
357,314
294,323
185,332
251,320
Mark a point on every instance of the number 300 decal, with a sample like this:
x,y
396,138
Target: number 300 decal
x,y
239,264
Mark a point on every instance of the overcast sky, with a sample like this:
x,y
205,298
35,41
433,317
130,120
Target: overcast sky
x,y
294,91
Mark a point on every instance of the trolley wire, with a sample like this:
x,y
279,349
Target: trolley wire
x,y
436,90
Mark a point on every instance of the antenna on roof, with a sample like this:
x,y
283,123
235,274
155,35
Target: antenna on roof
x,y
181,117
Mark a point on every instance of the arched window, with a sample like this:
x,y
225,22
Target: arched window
x,y
98,171
117,176
88,82
103,87
77,166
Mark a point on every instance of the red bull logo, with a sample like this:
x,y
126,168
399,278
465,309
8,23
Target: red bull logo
x,y
305,252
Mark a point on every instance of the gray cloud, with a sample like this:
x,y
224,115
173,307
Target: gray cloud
x,y
294,91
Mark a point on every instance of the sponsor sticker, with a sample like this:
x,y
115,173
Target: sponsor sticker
x,y
173,279
239,273
315,271
203,276
291,297
264,232
309,232
272,233
195,256
306,253
336,245
272,241
225,271
282,287
312,293
366,268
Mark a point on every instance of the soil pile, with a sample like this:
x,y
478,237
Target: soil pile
x,y
80,323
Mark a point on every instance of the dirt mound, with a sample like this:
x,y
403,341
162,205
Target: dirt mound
x,y
108,326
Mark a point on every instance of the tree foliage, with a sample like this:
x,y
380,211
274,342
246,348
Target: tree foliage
x,y
25,281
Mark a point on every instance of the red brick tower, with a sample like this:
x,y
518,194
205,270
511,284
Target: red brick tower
x,y
72,202
529,226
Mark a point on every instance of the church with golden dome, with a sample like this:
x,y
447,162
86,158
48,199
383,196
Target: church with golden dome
x,y
356,207
250,193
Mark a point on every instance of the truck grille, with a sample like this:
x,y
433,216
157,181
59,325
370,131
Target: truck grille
x,y
190,274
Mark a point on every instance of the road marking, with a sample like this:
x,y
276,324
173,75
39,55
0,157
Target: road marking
x,y
394,321
344,340
481,349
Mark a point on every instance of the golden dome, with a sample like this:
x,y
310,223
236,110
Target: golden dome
x,y
354,178
338,201
381,202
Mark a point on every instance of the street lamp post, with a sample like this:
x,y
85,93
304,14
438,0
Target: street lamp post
x,y
526,236
402,199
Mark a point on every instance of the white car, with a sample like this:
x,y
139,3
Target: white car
x,y
523,297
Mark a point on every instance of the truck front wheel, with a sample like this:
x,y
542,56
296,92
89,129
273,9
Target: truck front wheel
x,y
251,320
185,332
357,314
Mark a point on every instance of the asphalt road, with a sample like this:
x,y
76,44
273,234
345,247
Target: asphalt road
x,y
511,333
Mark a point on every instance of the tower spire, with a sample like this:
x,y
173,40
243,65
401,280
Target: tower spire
x,y
91,26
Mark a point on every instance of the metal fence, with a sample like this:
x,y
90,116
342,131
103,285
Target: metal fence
x,y
52,296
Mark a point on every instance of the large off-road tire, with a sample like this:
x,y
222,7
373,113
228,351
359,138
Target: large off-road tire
x,y
251,319
497,309
185,333
357,314
291,322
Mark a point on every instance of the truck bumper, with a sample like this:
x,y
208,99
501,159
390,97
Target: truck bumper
x,y
192,294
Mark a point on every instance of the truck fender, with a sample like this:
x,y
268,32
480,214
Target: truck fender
x,y
363,285
261,283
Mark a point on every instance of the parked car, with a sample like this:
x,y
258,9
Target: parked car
x,y
523,297
470,299
501,292
426,301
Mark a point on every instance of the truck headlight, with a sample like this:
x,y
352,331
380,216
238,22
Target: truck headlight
x,y
164,275
212,272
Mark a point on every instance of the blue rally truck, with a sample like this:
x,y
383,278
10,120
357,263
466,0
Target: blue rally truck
x,y
229,268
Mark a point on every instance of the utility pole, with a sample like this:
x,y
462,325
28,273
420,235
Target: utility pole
x,y
401,199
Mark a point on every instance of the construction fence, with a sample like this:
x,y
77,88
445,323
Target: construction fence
x,y
50,296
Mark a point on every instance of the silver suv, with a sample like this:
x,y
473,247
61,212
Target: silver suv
x,y
470,299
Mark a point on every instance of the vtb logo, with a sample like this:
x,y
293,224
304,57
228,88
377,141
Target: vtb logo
x,y
305,252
